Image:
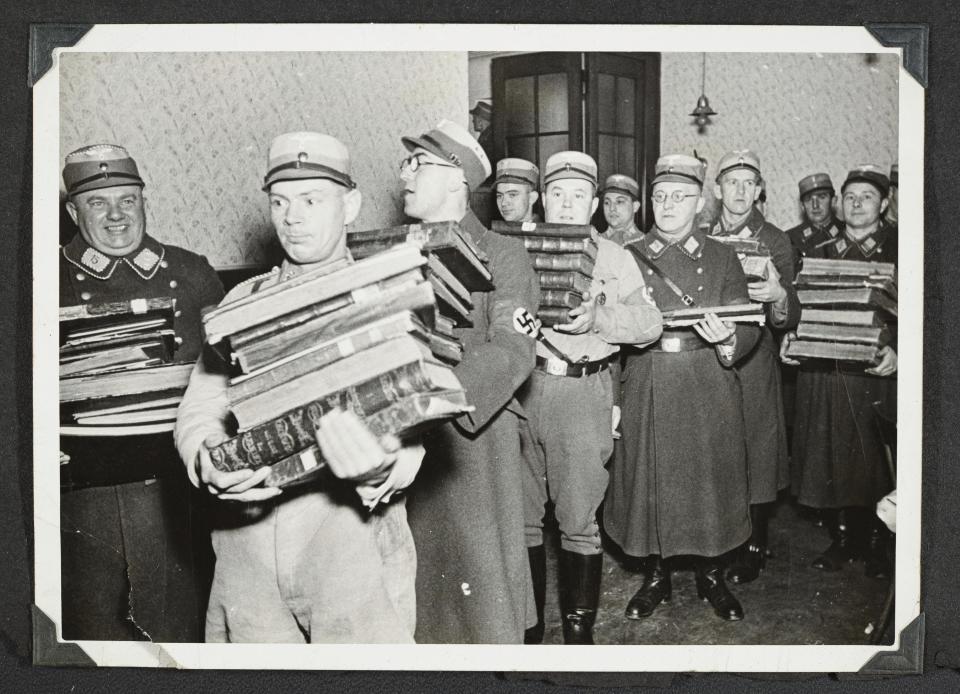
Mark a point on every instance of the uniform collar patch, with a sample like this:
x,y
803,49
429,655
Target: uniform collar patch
x,y
96,264
807,232
146,261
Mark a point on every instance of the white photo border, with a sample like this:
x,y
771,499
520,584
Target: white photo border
x,y
462,38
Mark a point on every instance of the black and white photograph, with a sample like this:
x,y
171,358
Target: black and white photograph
x,y
449,347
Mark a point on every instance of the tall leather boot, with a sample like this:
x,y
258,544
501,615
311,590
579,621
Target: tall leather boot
x,y
579,595
843,549
876,555
656,589
710,587
750,558
538,572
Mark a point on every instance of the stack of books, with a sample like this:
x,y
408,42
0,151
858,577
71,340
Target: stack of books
x,y
563,256
358,338
116,372
455,267
754,256
736,313
848,308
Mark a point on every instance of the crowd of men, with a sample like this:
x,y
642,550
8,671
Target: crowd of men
x,y
440,540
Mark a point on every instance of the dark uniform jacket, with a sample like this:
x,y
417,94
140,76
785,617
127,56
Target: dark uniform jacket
x,y
806,239
766,430
130,548
678,484
838,443
465,508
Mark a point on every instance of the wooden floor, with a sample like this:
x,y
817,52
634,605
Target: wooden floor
x,y
791,603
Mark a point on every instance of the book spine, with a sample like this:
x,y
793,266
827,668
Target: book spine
x,y
563,262
564,280
559,298
133,307
553,315
547,244
288,321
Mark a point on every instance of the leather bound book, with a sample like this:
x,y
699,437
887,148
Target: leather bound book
x,y
86,316
448,304
554,244
436,267
563,262
827,266
560,298
858,334
737,313
862,298
567,231
553,315
132,382
564,280
839,351
841,316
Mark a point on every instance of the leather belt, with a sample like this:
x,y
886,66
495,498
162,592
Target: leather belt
x,y
558,367
680,342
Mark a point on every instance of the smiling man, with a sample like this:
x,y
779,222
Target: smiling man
x,y
312,565
621,200
516,189
128,556
569,400
466,508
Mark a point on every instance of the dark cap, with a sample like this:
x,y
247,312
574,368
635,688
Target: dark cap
x,y
868,173
817,181
99,166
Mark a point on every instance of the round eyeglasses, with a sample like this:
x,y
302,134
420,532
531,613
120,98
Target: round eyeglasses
x,y
415,161
676,197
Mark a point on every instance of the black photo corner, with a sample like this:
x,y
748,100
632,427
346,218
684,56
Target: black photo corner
x,y
929,32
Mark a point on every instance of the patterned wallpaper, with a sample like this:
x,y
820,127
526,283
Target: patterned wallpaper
x,y
199,125
800,112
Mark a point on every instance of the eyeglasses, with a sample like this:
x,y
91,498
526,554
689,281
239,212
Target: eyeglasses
x,y
676,197
414,162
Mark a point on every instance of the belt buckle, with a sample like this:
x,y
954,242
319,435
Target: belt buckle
x,y
555,367
670,344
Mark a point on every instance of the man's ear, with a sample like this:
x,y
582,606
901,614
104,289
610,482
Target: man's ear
x,y
636,206
701,201
456,180
352,200
532,196
884,204
757,191
594,205
72,211
717,192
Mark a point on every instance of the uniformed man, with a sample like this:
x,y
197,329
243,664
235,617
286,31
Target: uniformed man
x,y
681,485
312,564
516,189
891,216
621,201
466,508
569,400
820,225
737,187
482,116
130,566
839,460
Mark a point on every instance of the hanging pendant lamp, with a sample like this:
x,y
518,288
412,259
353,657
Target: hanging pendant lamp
x,y
702,112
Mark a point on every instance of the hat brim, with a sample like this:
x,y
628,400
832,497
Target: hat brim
x,y
101,183
618,189
304,174
884,190
514,179
411,143
675,178
815,189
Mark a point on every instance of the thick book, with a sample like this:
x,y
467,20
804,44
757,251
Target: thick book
x,y
147,416
564,280
827,266
447,349
736,313
449,304
755,267
127,403
553,315
114,358
820,281
861,298
561,262
744,246
325,352
859,334
560,298
296,430
445,240
436,267
310,288
151,380
555,244
840,351
566,231
443,325
102,315
258,354
373,377
841,316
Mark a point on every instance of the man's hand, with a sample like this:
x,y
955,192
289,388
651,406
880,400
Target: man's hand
x,y
239,485
716,331
888,363
615,421
64,458
887,510
352,451
582,317
784,343
769,290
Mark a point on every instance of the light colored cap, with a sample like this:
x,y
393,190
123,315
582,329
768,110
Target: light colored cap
x,y
738,159
868,173
680,168
483,109
570,165
452,142
99,166
621,183
513,170
817,181
300,155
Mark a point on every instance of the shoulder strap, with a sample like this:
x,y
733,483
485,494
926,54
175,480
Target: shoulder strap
x,y
642,259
